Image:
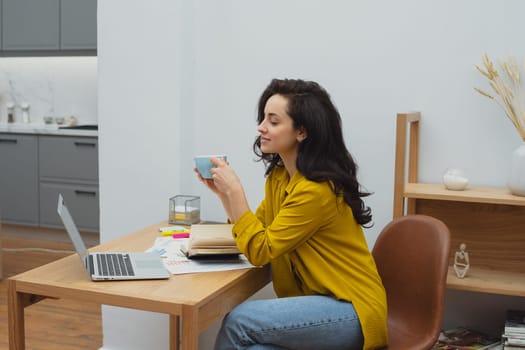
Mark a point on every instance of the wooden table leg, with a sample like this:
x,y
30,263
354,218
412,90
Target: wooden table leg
x,y
16,302
174,332
190,328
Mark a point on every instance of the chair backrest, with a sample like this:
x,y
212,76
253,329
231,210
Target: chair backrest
x,y
412,255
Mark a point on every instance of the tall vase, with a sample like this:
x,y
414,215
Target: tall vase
x,y
516,181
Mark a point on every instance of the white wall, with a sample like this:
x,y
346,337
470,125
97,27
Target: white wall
x,y
177,78
139,138
52,86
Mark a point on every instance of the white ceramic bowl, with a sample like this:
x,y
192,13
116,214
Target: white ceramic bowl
x,y
455,180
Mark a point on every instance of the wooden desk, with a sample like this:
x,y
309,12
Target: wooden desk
x,y
193,301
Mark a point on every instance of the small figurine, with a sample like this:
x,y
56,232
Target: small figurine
x,y
461,261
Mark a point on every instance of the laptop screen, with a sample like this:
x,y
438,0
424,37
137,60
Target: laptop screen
x,y
71,229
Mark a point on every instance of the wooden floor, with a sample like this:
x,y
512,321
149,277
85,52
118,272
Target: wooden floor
x,y
50,324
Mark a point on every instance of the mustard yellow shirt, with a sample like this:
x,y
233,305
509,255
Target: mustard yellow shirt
x,y
315,247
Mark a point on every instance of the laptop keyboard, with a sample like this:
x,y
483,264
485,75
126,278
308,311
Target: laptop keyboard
x,y
114,264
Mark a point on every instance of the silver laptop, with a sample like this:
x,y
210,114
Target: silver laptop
x,y
112,265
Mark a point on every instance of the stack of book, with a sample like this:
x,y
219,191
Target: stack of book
x,y
209,241
514,333
466,339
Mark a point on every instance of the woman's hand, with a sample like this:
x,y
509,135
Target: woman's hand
x,y
207,182
227,186
224,178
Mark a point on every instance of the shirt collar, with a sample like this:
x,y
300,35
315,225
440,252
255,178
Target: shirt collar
x,y
296,178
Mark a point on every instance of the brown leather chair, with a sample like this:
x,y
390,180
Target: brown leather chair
x,y
412,254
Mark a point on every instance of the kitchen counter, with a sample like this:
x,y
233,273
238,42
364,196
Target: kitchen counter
x,y
44,129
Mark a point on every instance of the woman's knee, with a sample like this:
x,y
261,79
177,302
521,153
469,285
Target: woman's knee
x,y
241,314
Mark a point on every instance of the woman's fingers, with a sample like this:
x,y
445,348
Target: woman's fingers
x,y
218,162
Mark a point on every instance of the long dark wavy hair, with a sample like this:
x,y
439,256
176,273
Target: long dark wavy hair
x,y
322,156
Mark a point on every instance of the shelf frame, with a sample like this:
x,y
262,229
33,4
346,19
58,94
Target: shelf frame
x,y
472,194
407,132
488,281
490,220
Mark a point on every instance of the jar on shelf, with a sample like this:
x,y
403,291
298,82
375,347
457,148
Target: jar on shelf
x,y
25,112
10,112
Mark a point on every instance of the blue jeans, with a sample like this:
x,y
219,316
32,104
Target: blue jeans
x,y
298,323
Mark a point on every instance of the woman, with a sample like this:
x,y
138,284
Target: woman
x,y
308,228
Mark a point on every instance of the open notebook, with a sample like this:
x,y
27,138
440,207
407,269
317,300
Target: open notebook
x,y
112,265
211,241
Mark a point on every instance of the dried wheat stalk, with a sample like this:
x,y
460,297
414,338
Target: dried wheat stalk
x,y
507,88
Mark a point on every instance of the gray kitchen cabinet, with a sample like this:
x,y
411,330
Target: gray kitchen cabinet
x,y
78,25
69,158
82,201
69,165
19,179
49,26
30,25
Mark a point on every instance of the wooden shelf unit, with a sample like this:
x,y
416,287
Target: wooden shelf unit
x,y
489,220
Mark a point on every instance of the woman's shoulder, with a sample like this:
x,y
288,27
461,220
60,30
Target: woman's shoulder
x,y
299,183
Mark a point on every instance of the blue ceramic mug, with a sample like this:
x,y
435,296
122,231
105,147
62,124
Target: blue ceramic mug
x,y
204,165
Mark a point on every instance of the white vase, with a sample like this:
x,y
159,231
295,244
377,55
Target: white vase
x,y
516,181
